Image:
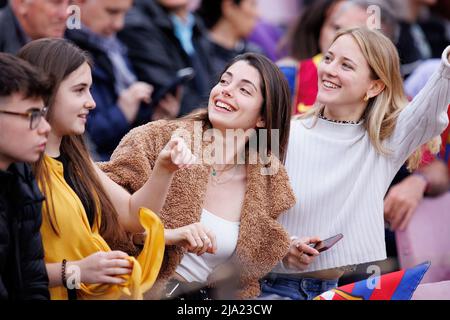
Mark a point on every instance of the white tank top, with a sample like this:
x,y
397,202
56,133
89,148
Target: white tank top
x,y
198,268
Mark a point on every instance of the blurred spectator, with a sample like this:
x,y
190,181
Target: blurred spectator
x,y
229,23
23,21
268,36
310,35
417,80
163,36
120,98
445,150
275,17
442,9
279,13
422,34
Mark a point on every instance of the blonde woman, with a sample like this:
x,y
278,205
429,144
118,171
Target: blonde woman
x,y
343,154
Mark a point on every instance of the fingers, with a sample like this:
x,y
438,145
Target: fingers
x,y
306,259
170,105
111,280
157,114
313,240
179,93
213,248
186,158
388,208
308,250
118,263
303,246
192,243
406,218
396,219
142,91
200,239
206,242
295,262
198,244
117,271
300,254
180,154
399,210
115,255
203,241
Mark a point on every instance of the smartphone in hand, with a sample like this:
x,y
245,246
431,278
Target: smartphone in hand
x,y
327,243
182,77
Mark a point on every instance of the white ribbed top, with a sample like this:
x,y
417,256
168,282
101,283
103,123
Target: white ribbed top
x,y
340,180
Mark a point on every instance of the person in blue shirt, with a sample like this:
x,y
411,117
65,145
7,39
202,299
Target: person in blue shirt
x,y
122,101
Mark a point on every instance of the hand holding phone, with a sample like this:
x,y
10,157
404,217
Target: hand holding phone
x,y
327,243
182,77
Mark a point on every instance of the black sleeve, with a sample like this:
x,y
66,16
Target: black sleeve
x,y
34,272
4,245
148,51
35,279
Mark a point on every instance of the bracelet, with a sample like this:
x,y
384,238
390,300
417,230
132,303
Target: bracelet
x,y
63,273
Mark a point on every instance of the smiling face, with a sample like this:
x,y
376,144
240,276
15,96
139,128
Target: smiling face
x,y
73,101
344,76
17,141
236,101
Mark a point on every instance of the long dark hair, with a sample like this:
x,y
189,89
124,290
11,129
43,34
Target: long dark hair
x,y
276,110
58,58
302,40
211,11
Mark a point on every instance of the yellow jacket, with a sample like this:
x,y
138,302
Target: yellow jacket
x,y
76,240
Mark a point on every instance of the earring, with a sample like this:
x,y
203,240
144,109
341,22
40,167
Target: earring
x,y
366,98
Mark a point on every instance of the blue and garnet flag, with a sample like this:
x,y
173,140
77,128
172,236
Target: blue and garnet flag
x,y
398,285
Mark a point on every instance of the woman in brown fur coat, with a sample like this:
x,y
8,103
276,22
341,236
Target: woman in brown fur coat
x,y
223,209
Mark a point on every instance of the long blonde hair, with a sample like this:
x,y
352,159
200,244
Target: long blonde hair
x,y
382,111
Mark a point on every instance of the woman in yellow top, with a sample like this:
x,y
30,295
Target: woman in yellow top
x,y
86,215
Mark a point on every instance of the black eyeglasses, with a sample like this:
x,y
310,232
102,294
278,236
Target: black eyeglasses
x,y
34,115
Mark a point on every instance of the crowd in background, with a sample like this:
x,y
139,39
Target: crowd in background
x,y
135,50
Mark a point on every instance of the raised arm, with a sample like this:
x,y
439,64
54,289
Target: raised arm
x,y
426,116
152,195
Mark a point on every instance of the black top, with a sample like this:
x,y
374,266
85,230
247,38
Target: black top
x,y
23,275
12,37
221,56
157,54
412,47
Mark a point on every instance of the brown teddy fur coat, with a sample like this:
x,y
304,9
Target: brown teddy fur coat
x,y
262,241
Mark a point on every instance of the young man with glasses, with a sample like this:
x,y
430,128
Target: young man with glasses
x,y
23,136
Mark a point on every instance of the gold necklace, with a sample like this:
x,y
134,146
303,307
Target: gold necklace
x,y
215,176
214,171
